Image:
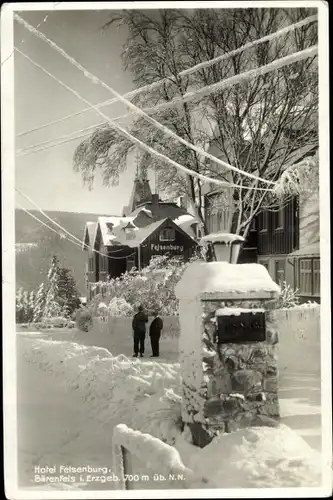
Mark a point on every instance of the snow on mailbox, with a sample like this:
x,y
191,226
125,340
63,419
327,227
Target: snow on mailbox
x,y
227,348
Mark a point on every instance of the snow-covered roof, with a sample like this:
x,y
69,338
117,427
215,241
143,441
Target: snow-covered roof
x,y
307,251
185,222
221,280
226,238
144,209
113,231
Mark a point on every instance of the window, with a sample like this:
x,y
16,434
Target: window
x,y
91,263
280,271
211,222
129,234
103,262
305,279
264,221
167,234
309,276
224,220
316,276
219,220
279,218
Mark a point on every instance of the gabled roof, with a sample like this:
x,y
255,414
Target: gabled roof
x,y
89,234
112,229
117,236
161,210
172,211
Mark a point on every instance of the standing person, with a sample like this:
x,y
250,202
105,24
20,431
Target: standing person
x,y
139,331
155,330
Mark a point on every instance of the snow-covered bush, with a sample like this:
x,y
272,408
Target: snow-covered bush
x,y
153,287
288,297
119,307
84,319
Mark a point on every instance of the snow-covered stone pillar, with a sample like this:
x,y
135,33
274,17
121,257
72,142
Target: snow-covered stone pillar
x,y
227,348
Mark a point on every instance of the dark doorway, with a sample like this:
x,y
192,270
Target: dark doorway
x,y
117,262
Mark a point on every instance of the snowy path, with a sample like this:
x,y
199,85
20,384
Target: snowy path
x,y
53,428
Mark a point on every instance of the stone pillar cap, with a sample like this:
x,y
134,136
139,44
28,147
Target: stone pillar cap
x,y
221,280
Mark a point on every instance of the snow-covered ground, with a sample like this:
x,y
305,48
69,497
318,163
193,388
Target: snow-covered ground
x,y
71,395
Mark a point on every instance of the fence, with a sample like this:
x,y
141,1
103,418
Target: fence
x,y
141,461
299,336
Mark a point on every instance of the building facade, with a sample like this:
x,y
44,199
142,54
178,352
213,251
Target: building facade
x,y
148,227
289,244
285,240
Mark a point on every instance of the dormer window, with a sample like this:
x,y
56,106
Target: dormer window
x,y
129,231
167,234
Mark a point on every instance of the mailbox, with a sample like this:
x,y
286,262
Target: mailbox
x,y
242,327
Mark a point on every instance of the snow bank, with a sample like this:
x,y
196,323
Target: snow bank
x,y
115,389
254,457
144,395
152,451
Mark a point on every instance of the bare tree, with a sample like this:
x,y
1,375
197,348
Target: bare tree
x,y
263,124
259,125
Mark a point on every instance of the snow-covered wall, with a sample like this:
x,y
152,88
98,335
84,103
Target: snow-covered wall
x,y
146,460
299,332
299,339
118,326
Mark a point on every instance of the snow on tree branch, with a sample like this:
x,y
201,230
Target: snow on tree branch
x,y
298,177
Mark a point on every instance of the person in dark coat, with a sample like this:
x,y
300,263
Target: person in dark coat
x,y
155,330
139,331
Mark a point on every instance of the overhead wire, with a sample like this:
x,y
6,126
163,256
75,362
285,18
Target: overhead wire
x,y
276,64
46,225
138,142
64,139
23,40
76,241
185,72
236,79
261,70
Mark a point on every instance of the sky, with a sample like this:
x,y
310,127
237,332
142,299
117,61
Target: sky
x,y
48,177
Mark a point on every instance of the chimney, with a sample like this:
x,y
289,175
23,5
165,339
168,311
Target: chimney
x,y
154,200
